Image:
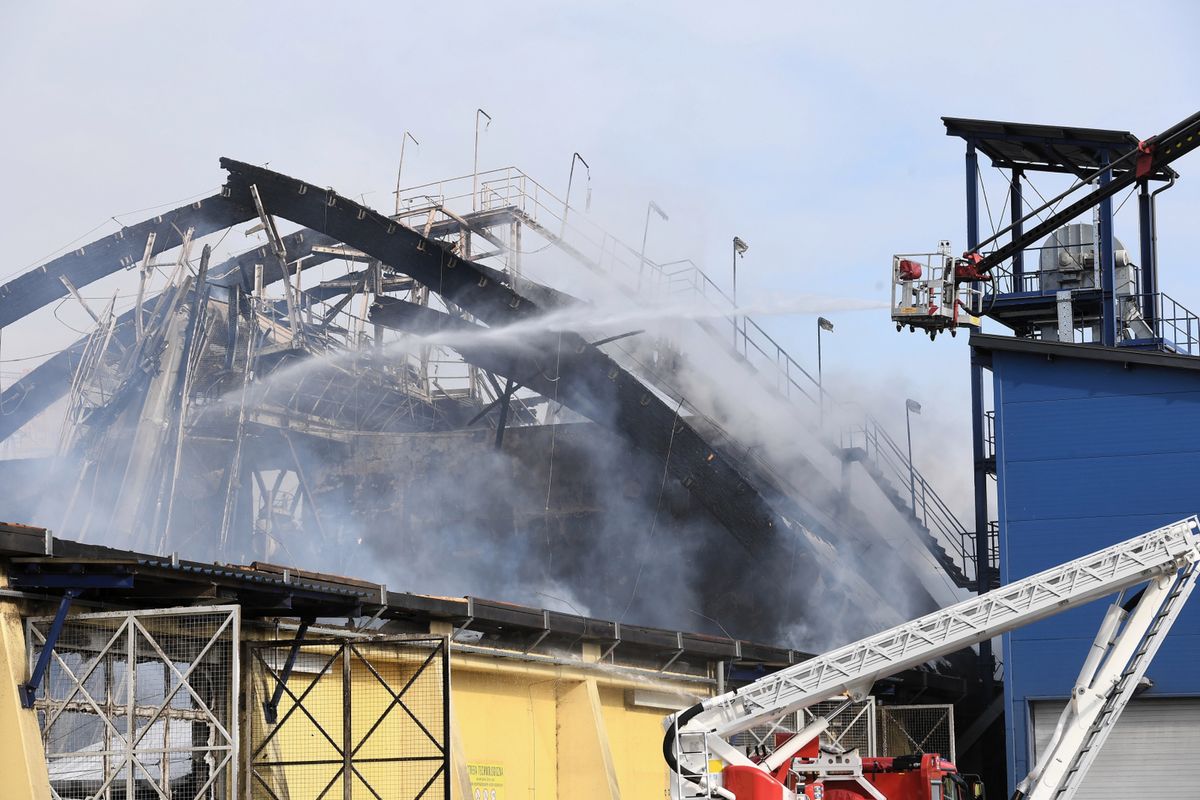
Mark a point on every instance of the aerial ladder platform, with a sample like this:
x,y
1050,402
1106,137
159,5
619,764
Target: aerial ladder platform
x,y
1163,563
938,291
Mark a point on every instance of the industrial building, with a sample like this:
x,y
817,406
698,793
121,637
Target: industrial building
x,y
271,494
238,692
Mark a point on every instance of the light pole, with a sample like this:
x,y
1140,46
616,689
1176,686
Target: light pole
x,y
822,325
403,140
911,407
651,206
475,170
570,178
739,251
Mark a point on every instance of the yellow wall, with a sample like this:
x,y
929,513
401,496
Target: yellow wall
x,y
379,729
22,759
558,731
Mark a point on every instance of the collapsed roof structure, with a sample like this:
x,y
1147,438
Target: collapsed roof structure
x,y
440,400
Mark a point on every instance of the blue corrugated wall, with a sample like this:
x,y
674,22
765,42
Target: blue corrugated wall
x,y
1088,453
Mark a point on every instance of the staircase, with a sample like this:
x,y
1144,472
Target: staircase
x,y
950,542
511,191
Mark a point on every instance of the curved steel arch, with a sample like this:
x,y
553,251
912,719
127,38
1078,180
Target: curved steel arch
x,y
587,379
42,285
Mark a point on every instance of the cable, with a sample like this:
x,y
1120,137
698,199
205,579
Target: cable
x,y
654,520
111,218
550,478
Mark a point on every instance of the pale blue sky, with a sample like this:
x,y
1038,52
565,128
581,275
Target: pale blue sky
x,y
810,130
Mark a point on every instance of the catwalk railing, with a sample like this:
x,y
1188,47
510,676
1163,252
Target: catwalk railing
x,y
511,190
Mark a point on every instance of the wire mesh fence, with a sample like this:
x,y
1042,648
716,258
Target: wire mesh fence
x,y
365,718
140,704
851,727
910,729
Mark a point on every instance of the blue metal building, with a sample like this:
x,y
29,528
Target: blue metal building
x,y
1094,445
1088,444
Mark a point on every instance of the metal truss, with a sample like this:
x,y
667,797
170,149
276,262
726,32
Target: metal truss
x,y
31,290
370,716
854,668
141,703
613,396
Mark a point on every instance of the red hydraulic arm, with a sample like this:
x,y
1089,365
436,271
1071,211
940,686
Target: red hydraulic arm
x,y
1149,156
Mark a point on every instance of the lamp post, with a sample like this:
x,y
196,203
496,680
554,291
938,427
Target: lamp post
x,y
822,325
475,170
911,407
739,251
403,140
570,179
651,206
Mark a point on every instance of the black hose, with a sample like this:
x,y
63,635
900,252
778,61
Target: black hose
x,y
683,718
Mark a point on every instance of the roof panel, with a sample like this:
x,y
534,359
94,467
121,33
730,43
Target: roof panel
x,y
1048,148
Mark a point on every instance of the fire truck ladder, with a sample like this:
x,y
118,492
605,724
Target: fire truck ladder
x,y
1164,559
1103,692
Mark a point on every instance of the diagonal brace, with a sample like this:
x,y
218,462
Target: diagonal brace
x,y
28,691
271,707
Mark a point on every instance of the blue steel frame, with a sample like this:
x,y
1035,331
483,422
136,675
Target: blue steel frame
x,y
72,584
28,690
983,467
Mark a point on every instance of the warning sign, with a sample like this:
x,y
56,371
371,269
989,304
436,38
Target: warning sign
x,y
487,781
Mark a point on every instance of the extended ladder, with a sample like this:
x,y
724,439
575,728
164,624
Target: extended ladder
x,y
1166,558
1080,735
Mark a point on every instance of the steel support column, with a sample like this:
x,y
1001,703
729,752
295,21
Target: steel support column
x,y
978,410
1108,274
1016,214
1148,257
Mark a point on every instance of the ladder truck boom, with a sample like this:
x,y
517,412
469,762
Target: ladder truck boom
x,y
939,292
1165,560
1151,155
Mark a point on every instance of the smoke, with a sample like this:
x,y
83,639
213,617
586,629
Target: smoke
x,y
344,469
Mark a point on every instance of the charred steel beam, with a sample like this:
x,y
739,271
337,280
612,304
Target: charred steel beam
x,y
587,379
596,387
38,389
43,285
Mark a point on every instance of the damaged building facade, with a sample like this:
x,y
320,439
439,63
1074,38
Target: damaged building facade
x,y
478,393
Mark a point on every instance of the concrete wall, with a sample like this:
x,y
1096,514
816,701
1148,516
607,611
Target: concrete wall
x,y
1088,453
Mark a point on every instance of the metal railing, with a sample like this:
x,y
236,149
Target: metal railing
x,y
926,505
1177,327
511,189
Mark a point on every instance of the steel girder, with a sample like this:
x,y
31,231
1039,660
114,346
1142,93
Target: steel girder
x,y
40,286
582,378
592,382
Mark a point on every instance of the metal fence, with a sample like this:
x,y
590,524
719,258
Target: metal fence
x,y
357,718
905,730
851,726
140,704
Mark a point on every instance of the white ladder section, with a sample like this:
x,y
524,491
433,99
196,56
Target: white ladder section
x,y
1106,687
1171,552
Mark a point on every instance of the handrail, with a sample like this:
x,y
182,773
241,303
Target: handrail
x,y
509,187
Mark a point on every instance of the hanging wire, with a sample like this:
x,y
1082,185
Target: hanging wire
x,y
654,520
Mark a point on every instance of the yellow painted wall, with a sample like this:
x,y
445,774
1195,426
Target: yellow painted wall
x,y
553,735
635,736
23,772
379,729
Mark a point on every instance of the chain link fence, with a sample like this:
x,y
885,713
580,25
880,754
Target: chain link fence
x,y
904,730
356,718
140,704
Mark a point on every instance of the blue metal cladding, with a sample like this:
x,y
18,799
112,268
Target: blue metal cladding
x,y
1088,453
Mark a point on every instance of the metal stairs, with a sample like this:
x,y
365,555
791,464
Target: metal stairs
x,y
950,562
508,195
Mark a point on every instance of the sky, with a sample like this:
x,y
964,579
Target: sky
x,y
810,130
